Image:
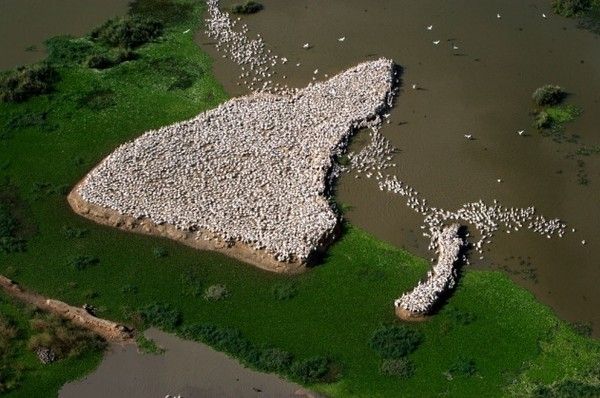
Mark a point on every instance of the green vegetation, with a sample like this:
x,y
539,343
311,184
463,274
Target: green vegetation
x,y
571,8
216,292
27,81
128,33
22,331
12,229
322,336
285,290
148,346
249,7
548,95
394,342
401,367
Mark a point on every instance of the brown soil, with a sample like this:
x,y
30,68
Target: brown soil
x,y
206,241
409,316
110,331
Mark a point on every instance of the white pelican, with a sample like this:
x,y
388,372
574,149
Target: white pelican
x,y
186,31
543,15
315,71
521,132
414,86
436,42
430,27
342,38
583,242
306,46
469,136
498,16
454,47
500,180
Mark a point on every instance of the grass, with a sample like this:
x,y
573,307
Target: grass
x,y
330,312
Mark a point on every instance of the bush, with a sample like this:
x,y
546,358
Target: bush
x,y
394,342
402,368
166,11
542,120
463,366
571,8
250,7
82,262
148,346
284,290
97,99
310,370
127,33
63,50
272,360
10,242
191,284
74,232
216,292
548,95
27,81
161,315
99,61
567,389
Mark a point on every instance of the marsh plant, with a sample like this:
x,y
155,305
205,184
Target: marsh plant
x,y
216,292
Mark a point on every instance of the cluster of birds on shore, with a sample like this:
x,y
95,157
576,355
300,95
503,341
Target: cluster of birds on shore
x,y
440,278
253,170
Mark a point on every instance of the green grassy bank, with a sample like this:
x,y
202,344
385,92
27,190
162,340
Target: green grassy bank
x,y
511,344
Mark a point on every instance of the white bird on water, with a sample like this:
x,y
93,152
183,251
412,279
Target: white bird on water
x,y
342,38
521,132
284,60
430,27
454,47
436,42
306,46
498,16
469,136
414,86
543,15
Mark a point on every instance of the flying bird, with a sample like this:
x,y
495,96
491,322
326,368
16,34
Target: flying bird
x,y
469,136
521,132
430,27
454,47
186,31
543,15
498,16
306,46
436,42
342,38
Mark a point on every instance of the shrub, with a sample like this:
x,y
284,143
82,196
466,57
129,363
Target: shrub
x,y
250,7
223,339
542,120
272,359
127,32
10,242
82,262
64,50
216,292
160,315
459,316
548,95
310,370
393,342
463,366
166,11
99,61
402,368
284,290
571,8
567,389
38,120
192,285
148,346
27,81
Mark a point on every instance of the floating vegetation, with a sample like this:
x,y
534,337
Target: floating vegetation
x,y
97,99
20,84
249,7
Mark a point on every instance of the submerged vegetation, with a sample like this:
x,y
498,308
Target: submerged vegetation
x,y
319,328
587,12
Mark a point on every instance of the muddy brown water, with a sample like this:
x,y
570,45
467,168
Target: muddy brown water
x,y
483,88
188,369
25,24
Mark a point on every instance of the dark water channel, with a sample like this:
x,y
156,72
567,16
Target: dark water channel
x,y
483,88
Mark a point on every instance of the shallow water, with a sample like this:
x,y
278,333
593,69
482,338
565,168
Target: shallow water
x,y
186,368
483,88
27,23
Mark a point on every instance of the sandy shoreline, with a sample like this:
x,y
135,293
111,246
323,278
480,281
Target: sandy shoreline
x,y
208,241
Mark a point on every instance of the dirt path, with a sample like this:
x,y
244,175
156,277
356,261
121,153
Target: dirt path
x,y
109,330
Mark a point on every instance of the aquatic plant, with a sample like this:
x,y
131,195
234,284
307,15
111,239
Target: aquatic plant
x,y
82,262
548,95
463,367
216,292
161,315
166,11
284,290
395,341
250,7
310,370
